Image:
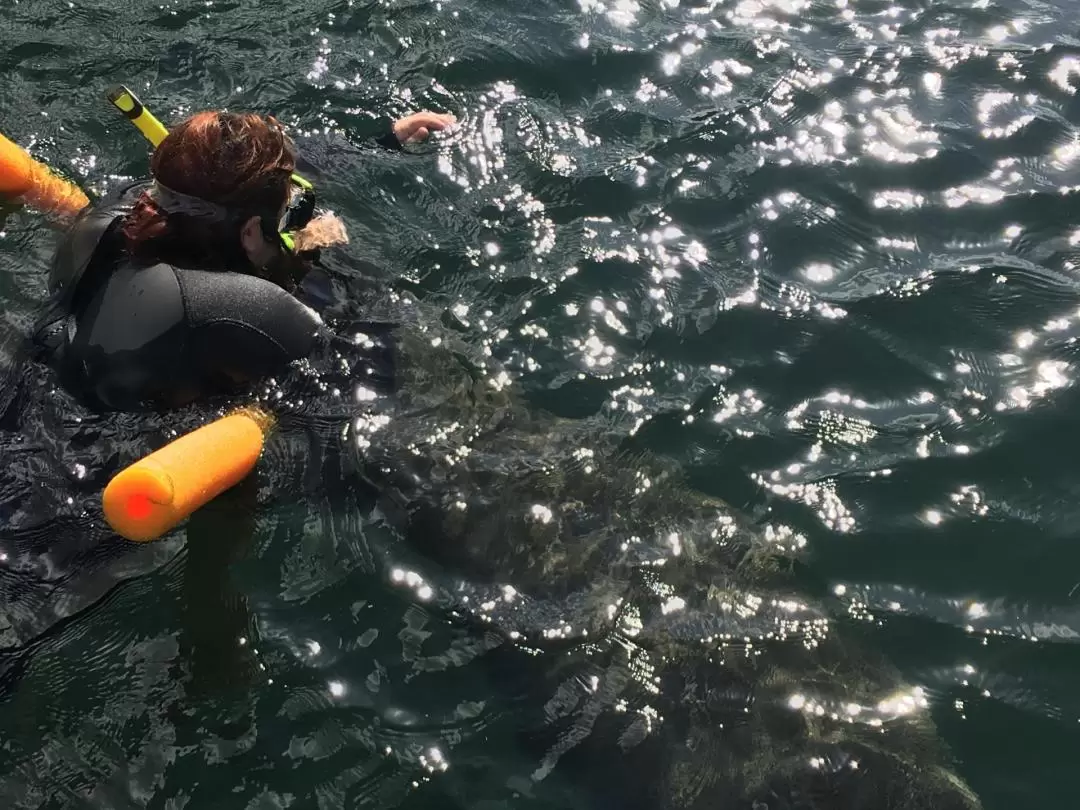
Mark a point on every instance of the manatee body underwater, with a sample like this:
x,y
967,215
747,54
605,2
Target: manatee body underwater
x,y
657,640
682,665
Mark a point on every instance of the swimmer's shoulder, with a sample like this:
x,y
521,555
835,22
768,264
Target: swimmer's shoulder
x,y
246,324
90,237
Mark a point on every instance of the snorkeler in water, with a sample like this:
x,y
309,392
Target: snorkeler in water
x,y
182,286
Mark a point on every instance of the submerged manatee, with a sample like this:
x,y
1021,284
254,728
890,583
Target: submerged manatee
x,y
684,667
679,664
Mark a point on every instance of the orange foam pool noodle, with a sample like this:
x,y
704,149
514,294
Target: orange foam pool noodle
x,y
25,178
150,497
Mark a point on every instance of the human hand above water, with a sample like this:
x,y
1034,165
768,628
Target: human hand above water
x,y
326,230
416,127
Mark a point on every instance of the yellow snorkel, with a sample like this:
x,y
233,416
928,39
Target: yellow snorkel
x,y
129,104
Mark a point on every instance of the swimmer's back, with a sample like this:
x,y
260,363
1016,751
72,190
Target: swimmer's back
x,y
169,334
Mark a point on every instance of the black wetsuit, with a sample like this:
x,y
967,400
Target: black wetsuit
x,y
127,334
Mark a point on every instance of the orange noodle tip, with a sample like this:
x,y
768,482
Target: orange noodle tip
x,y
151,496
33,183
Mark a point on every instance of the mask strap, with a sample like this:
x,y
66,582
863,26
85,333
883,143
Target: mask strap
x,y
173,202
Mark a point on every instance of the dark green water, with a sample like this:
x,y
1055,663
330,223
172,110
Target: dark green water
x,y
821,257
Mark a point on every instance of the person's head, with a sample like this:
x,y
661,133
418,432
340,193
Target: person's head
x,y
221,186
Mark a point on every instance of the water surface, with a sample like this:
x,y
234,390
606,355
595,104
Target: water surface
x,y
819,257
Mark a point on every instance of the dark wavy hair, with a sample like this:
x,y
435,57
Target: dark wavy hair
x,y
240,161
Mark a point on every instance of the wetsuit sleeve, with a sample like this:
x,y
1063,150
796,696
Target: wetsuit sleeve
x,y
245,328
379,129
389,140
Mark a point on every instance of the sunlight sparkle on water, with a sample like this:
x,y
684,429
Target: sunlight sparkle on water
x,y
1063,72
819,272
672,605
898,704
414,581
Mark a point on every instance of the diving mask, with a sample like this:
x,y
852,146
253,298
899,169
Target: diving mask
x,y
299,209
